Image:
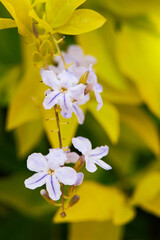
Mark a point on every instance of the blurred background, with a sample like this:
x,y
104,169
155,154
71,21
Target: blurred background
x,y
121,204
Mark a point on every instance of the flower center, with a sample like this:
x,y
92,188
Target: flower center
x,y
63,90
50,172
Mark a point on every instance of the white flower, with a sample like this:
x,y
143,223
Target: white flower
x,y
92,85
92,157
81,63
76,56
79,180
67,93
50,171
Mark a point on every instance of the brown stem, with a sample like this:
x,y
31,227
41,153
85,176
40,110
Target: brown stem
x,y
58,126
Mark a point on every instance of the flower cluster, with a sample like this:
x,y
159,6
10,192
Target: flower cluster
x,y
52,170
70,83
70,88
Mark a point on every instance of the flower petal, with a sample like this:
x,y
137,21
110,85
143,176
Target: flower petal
x,y
36,162
56,158
50,79
53,188
51,99
77,92
102,164
37,180
79,113
72,157
67,79
90,166
66,175
82,144
99,152
99,100
66,106
79,180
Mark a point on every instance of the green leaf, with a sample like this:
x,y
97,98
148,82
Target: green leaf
x,y
59,11
10,78
7,23
94,231
14,194
81,21
108,117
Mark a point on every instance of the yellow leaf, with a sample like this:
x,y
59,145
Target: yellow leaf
x,y
81,21
128,96
26,103
147,193
143,125
106,67
27,136
20,12
46,47
94,231
108,117
68,128
42,23
59,11
128,8
98,203
7,23
138,54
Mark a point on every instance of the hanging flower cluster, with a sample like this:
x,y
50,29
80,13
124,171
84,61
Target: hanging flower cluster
x,y
70,83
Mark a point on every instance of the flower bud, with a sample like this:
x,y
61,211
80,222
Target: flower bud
x,y
74,200
83,78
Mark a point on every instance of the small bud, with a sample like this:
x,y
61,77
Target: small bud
x,y
63,214
46,47
87,89
38,59
84,77
79,164
45,195
74,200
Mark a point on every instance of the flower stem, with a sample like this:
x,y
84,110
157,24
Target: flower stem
x,y
58,126
58,50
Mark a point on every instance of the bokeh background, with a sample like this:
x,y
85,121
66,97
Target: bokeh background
x,y
122,204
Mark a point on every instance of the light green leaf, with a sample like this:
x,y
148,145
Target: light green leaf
x,y
7,23
59,11
108,117
94,231
81,21
98,203
14,194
